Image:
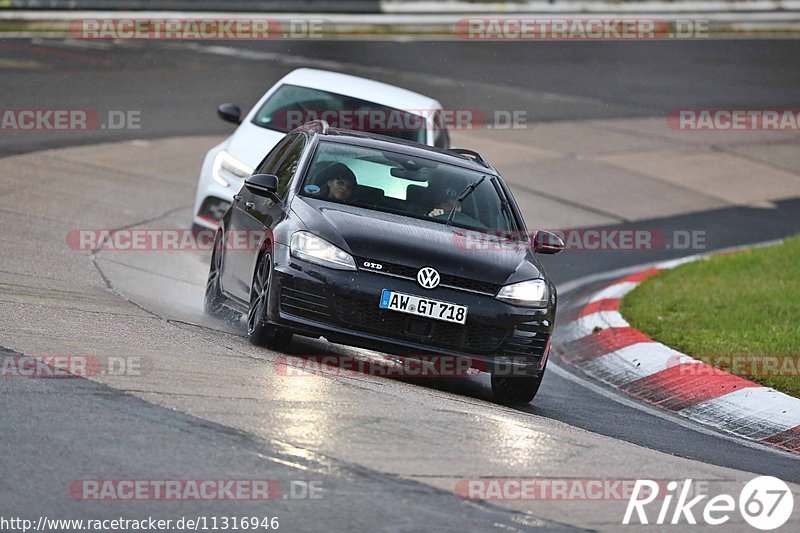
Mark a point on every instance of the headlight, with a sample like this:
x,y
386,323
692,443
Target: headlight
x,y
309,247
227,168
532,293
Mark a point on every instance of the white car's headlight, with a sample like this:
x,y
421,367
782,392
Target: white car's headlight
x,y
309,247
533,293
227,169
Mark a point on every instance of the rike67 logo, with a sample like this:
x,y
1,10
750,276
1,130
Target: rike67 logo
x,y
766,503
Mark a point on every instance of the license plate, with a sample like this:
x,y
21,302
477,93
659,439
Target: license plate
x,y
414,305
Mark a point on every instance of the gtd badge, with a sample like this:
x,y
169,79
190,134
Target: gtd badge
x,y
428,278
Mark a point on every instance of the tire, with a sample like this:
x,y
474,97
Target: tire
x,y
198,230
214,302
515,389
259,331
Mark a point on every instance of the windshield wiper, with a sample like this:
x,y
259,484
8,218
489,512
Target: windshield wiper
x,y
471,187
506,209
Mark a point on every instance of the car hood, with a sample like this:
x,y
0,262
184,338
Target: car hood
x,y
385,237
250,143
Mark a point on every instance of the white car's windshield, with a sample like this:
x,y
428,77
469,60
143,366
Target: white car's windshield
x,y
292,106
407,185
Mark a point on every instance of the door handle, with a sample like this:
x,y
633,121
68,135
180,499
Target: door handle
x,y
249,205
237,197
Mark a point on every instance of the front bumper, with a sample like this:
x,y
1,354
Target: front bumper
x,y
343,307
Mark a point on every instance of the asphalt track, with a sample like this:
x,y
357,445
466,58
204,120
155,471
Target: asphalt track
x,y
176,89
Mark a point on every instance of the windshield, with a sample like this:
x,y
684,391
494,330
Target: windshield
x,y
291,106
398,183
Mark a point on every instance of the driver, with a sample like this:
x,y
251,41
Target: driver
x,y
339,182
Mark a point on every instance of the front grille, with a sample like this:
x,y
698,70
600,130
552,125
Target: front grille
x,y
485,339
365,315
304,299
470,284
448,280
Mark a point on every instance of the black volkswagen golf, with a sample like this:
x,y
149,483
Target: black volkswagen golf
x,y
387,245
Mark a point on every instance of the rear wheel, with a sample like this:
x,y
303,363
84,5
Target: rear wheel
x,y
515,389
259,331
214,303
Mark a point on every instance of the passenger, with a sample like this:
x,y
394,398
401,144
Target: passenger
x,y
444,207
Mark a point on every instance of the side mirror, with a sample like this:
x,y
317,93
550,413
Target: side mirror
x,y
545,242
230,113
262,184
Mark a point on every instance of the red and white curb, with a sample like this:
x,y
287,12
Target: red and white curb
x,y
601,344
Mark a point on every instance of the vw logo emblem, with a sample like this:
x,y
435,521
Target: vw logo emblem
x,y
428,277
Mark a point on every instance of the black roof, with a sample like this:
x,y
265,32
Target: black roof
x,y
385,142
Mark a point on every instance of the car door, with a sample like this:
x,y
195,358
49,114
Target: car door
x,y
269,210
236,275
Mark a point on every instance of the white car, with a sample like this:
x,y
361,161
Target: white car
x,y
300,96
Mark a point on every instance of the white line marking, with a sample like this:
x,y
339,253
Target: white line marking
x,y
758,412
586,325
634,362
616,290
602,319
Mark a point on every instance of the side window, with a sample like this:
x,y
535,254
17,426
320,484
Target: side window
x,y
441,139
274,157
288,167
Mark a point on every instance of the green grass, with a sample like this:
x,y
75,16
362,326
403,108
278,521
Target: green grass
x,y
745,305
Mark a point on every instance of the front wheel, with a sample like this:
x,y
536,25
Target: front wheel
x,y
259,331
515,389
214,303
